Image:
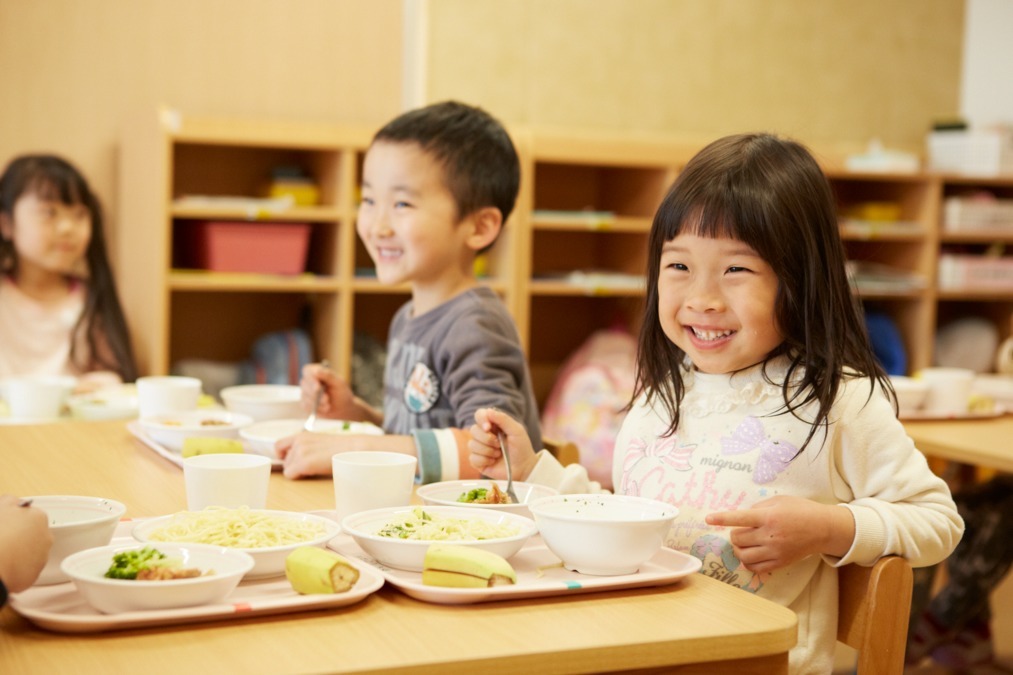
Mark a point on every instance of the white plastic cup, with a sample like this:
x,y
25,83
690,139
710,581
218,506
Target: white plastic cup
x,y
37,397
949,390
371,480
158,395
226,479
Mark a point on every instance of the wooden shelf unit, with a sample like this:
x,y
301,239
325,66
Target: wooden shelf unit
x,y
570,260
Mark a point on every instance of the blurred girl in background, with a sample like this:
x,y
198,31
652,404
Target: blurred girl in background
x,y
59,310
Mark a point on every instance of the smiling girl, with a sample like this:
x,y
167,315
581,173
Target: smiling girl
x,y
760,410
59,311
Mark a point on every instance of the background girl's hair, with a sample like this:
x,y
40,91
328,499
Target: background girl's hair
x,y
102,322
771,194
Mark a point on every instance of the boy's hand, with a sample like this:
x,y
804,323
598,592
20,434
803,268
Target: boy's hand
x,y
25,540
336,400
781,530
484,445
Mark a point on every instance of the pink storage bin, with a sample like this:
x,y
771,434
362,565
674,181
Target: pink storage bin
x,y
265,248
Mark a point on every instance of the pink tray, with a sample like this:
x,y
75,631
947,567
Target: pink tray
x,y
62,609
539,574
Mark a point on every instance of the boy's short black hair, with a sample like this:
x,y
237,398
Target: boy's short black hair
x,y
478,157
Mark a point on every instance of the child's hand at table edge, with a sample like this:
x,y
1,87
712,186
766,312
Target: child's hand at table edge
x,y
484,445
783,529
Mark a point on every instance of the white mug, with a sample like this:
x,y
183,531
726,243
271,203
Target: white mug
x,y
226,479
371,480
158,395
37,397
949,390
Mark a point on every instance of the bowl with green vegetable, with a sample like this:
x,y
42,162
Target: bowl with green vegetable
x,y
77,522
135,578
484,493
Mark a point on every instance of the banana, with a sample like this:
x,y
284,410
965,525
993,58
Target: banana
x,y
465,567
208,445
313,570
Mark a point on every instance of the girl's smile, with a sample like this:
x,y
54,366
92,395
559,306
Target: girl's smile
x,y
716,302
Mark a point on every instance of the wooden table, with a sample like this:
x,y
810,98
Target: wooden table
x,y
696,626
982,442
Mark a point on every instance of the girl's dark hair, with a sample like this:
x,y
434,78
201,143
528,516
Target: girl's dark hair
x,y
102,321
771,194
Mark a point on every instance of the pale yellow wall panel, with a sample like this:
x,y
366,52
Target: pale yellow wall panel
x,y
839,71
75,70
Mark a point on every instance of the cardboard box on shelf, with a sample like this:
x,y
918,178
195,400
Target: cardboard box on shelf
x,y
266,248
981,152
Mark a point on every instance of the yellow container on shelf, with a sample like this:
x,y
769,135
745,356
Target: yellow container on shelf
x,y
302,192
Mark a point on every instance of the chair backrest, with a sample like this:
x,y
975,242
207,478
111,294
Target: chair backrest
x,y
873,612
564,451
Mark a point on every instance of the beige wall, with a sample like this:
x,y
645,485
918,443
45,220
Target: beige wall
x,y
74,70
835,72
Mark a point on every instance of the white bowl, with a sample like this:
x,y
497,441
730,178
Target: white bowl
x,y
77,523
264,401
260,437
171,429
446,493
408,554
603,534
269,560
911,393
223,568
108,403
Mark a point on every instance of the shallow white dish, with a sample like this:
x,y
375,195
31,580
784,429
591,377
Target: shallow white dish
x,y
221,568
603,534
408,554
172,429
446,493
264,401
76,523
539,574
134,427
260,437
108,403
268,561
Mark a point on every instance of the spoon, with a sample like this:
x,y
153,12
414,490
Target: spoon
x,y
312,419
510,474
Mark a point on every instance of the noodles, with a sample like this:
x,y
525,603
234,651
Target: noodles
x,y
425,526
236,528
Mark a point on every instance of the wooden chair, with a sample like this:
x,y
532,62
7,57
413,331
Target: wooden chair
x,y
564,451
874,608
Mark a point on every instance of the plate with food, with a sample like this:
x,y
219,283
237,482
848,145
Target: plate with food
x,y
398,537
194,445
485,493
63,608
268,536
457,575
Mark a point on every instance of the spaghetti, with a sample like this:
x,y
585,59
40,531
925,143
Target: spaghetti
x,y
236,528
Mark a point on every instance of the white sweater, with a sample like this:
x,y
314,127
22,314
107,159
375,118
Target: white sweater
x,y
730,452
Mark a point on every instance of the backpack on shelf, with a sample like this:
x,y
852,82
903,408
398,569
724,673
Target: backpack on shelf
x,y
278,358
587,402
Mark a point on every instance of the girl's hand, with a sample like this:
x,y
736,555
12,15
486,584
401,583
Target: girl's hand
x,y
781,530
484,445
25,540
336,401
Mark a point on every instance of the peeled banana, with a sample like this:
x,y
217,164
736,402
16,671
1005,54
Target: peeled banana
x,y
313,570
208,445
457,566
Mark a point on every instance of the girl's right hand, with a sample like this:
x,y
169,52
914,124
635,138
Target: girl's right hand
x,y
484,445
336,400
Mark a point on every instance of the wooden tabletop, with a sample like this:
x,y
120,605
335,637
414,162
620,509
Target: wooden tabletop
x,y
698,625
986,442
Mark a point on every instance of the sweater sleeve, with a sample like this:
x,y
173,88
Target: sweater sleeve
x,y
900,507
443,455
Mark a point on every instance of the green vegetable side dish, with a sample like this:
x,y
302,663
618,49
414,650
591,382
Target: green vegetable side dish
x,y
476,495
126,565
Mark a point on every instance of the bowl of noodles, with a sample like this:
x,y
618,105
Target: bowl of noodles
x,y
398,537
268,536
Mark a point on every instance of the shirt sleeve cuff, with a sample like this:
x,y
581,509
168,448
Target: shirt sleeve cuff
x,y
437,453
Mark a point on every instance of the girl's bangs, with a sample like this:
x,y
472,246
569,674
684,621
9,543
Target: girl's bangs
x,y
54,186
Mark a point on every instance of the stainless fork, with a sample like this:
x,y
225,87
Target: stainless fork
x,y
312,419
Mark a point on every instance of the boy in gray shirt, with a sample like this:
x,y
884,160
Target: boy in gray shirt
x,y
438,185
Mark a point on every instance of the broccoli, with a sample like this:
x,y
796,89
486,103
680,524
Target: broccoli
x,y
126,565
